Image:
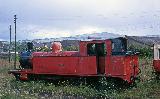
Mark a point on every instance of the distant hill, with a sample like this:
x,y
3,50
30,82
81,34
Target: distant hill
x,y
143,41
83,37
140,41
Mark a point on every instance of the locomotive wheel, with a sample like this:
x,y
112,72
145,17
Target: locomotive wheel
x,y
17,76
157,74
21,77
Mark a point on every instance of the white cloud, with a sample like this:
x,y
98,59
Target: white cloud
x,y
48,32
56,18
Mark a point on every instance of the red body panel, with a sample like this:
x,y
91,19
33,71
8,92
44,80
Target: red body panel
x,y
102,65
64,65
156,65
87,66
123,67
117,65
54,65
131,67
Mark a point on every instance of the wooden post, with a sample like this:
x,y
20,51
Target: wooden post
x,y
10,43
15,18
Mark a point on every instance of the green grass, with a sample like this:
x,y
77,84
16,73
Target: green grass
x,y
147,88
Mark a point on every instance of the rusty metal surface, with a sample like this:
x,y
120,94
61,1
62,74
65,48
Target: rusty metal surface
x,y
156,65
83,64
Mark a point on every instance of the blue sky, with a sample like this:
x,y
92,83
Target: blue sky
x,y
59,18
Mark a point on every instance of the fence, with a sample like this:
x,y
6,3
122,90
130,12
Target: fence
x,y
4,61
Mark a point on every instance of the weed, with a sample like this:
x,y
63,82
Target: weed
x,y
148,87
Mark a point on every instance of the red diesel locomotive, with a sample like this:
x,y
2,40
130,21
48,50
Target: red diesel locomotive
x,y
108,58
156,61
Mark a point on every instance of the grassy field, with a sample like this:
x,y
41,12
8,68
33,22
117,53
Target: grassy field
x,y
147,88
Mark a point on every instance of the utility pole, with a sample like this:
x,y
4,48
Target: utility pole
x,y
15,19
10,44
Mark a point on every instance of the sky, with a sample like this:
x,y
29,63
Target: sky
x,y
38,19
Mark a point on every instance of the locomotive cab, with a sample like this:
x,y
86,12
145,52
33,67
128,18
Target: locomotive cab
x,y
156,61
112,58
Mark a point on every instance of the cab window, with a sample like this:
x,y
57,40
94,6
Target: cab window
x,y
91,49
98,49
119,46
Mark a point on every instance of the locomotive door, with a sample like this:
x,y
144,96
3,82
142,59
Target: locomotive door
x,y
98,50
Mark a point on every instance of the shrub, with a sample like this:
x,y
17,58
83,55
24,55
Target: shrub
x,y
145,52
71,48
